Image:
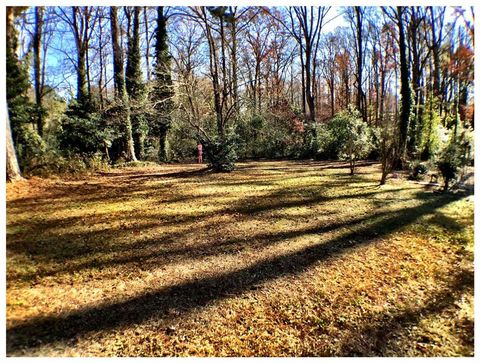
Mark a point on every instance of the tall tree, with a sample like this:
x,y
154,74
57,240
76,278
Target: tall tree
x,y
121,95
21,112
13,170
437,15
37,67
218,63
397,14
330,53
162,92
306,26
233,51
82,26
418,61
102,58
135,86
256,37
356,16
405,87
17,83
307,29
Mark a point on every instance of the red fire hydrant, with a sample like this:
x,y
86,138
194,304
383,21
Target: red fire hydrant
x,y
200,159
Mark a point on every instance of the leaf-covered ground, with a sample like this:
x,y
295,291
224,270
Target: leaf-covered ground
x,y
274,259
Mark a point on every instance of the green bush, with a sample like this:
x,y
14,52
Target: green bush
x,y
358,141
275,133
418,171
52,162
182,144
29,145
221,152
332,137
86,133
345,137
430,131
448,163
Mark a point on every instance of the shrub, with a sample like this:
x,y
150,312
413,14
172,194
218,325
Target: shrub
x,y
82,135
359,140
332,137
51,161
181,141
418,171
29,146
220,152
346,137
278,132
430,131
449,163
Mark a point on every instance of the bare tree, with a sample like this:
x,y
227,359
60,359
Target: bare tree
x,y
329,58
81,23
397,14
37,67
213,22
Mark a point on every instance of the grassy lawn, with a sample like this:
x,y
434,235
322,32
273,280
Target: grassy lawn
x,y
274,259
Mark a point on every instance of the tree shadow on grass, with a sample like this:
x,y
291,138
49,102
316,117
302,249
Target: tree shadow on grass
x,y
375,339
198,293
120,186
66,252
307,165
175,175
166,252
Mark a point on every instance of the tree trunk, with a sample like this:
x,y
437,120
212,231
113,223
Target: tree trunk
x,y
80,41
13,170
162,150
359,39
405,90
413,33
82,91
120,91
134,81
304,93
213,56
233,27
332,96
445,185
37,44
383,180
308,84
436,54
147,43
163,87
101,65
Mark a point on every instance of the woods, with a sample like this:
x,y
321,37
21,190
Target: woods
x,y
268,82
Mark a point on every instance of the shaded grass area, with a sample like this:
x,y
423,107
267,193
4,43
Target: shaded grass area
x,y
277,258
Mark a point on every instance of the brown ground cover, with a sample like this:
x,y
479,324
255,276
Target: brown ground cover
x,y
275,259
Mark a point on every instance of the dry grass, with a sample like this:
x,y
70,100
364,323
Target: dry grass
x,y
275,259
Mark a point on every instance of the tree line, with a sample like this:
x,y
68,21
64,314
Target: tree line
x,y
98,85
